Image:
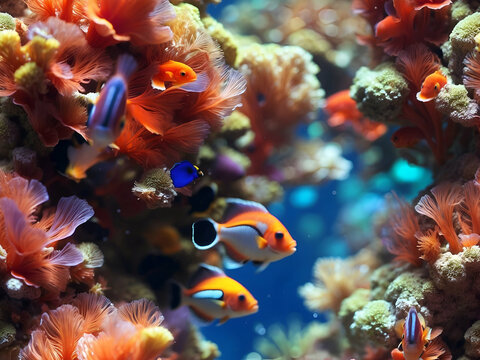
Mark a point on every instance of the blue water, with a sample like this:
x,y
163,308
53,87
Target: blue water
x,y
310,213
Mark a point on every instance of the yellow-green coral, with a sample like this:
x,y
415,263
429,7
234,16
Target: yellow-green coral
x,y
379,93
472,340
7,334
409,287
7,22
374,323
453,100
460,10
353,303
224,37
30,76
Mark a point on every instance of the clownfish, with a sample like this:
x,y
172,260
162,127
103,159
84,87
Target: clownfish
x,y
213,295
180,75
105,122
415,337
248,232
407,137
183,173
431,86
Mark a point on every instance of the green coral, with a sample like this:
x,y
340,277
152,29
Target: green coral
x,y
460,10
353,303
7,334
461,42
409,286
472,340
31,76
375,323
453,100
448,271
7,22
382,277
224,37
380,92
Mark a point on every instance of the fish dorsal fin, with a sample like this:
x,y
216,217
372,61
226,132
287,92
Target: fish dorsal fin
x,y
239,206
204,272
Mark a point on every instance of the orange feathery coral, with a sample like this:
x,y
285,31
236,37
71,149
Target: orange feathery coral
x,y
92,328
403,242
343,109
416,63
42,75
469,210
402,23
141,22
164,124
67,10
440,209
429,245
28,243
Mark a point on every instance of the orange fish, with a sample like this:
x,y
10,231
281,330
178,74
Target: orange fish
x,y
431,86
415,336
407,137
248,232
213,295
179,75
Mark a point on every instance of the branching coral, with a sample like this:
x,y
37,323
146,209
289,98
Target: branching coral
x,y
335,280
282,91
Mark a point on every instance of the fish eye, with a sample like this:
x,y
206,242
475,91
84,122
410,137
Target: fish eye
x,y
241,297
279,235
436,87
183,73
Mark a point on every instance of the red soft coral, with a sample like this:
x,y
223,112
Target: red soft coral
x,y
42,75
402,242
141,22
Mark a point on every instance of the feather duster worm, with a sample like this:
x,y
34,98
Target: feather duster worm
x,y
282,91
92,328
66,10
29,242
402,242
42,75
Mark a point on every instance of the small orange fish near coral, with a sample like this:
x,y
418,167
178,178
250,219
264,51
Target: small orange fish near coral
x,y
431,86
179,75
406,137
416,337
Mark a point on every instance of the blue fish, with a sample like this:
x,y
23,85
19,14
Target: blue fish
x,y
183,173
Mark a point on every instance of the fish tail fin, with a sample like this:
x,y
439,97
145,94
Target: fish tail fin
x,y
175,295
126,65
205,234
199,85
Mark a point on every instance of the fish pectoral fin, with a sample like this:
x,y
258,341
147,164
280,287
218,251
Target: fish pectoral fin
x,y
201,316
262,265
158,84
261,242
397,355
169,74
223,320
